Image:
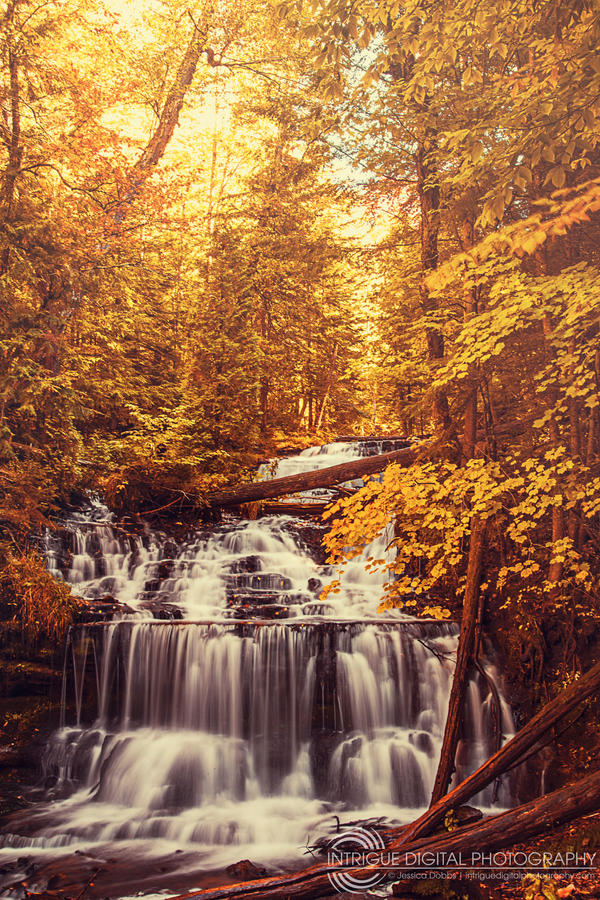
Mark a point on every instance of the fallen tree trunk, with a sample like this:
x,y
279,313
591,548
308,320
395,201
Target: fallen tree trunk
x,y
537,730
307,481
330,476
493,833
464,660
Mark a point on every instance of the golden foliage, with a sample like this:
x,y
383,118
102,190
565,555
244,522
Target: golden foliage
x,y
433,505
43,606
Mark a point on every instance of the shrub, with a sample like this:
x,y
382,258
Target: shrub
x,y
41,605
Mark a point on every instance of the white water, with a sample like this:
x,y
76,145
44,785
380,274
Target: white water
x,y
311,459
204,574
233,739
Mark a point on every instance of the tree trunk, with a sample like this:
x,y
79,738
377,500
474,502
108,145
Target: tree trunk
x,y
467,240
210,218
169,116
555,569
592,437
464,659
264,403
15,149
328,385
428,189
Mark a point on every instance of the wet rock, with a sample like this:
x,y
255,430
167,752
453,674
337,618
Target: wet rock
x,y
9,758
107,585
152,585
106,598
275,611
261,581
309,535
102,608
161,610
246,870
422,741
247,564
165,568
317,609
248,599
322,747
268,611
26,679
467,814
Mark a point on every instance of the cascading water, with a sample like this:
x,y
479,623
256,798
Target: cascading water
x,y
227,730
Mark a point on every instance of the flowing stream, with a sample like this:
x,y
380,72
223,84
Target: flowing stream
x,y
228,709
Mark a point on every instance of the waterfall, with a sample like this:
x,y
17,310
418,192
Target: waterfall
x,y
256,713
270,726
261,567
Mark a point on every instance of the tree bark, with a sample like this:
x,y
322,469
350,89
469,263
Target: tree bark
x,y
492,833
466,651
555,569
169,116
428,189
12,137
592,437
464,659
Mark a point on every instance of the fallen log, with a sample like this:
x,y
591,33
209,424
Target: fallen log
x,y
330,476
537,730
308,481
490,834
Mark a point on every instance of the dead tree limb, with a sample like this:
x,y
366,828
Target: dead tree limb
x,y
173,104
169,115
330,476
